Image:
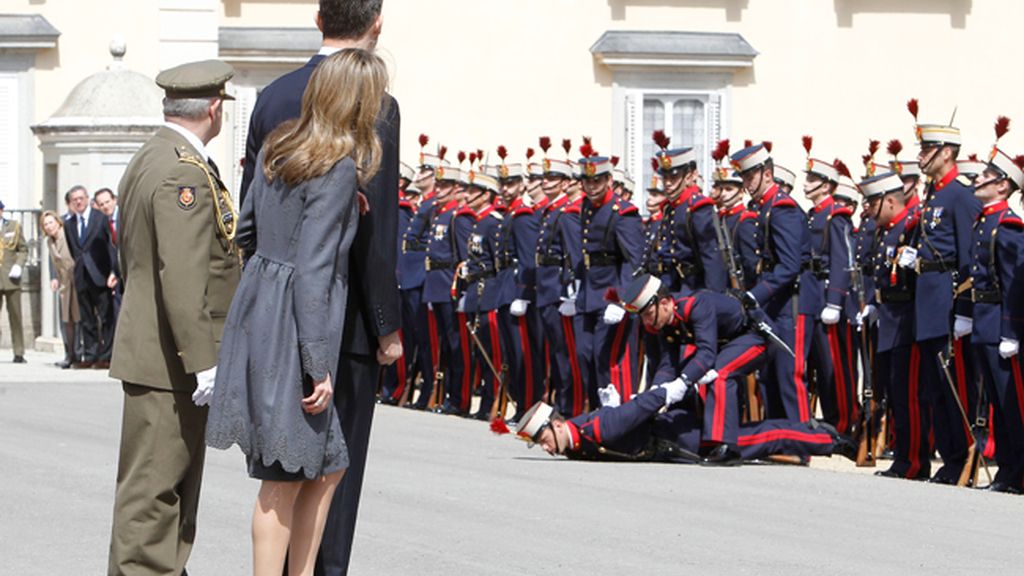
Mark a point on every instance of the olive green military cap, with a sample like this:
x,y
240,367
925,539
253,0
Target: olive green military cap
x,y
203,79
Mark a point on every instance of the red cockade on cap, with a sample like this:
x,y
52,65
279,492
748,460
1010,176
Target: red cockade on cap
x,y
661,139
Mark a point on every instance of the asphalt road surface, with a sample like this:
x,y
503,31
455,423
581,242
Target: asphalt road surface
x,y
445,496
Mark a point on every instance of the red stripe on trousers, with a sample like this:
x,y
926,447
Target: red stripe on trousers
x,y
914,406
798,369
839,375
496,359
467,361
435,347
400,369
961,383
574,366
524,339
1018,385
772,435
721,400
616,371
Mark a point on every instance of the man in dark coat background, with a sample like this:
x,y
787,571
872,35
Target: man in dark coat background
x,y
374,308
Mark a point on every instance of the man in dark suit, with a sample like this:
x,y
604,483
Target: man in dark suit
x,y
106,202
88,235
374,309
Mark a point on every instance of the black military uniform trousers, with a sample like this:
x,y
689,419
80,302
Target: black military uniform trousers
x,y
899,373
948,426
1004,384
525,354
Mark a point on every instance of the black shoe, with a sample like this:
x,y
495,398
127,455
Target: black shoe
x,y
421,406
513,421
1004,487
19,359
62,365
844,446
388,401
722,455
890,473
482,415
941,479
450,410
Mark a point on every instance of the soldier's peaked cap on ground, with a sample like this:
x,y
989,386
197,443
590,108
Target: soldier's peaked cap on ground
x,y
204,79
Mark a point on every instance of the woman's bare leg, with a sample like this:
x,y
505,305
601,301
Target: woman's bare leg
x,y
308,523
272,525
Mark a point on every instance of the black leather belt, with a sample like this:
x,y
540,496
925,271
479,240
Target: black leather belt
x,y
548,260
986,296
816,268
414,246
934,266
683,269
504,263
438,264
894,295
601,259
481,275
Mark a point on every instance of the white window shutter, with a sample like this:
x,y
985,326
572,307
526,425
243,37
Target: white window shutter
x,y
9,139
245,99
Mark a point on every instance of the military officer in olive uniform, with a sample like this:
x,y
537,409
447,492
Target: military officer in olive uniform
x,y
181,268
13,252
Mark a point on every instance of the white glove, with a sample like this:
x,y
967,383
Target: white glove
x,y
15,272
675,390
708,377
518,307
908,257
204,386
830,315
869,313
460,306
1008,348
567,307
962,326
613,314
609,396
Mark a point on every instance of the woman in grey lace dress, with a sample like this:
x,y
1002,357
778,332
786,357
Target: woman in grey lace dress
x,y
282,337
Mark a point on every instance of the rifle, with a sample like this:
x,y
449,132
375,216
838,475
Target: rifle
x,y
753,411
866,429
501,399
975,457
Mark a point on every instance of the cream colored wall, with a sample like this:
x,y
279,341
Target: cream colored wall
x,y
478,73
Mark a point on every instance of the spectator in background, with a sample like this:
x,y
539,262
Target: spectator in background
x,y
106,202
62,271
13,252
88,236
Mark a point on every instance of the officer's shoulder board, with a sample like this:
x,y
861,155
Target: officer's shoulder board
x,y
964,180
1011,220
702,202
624,208
784,202
497,215
841,211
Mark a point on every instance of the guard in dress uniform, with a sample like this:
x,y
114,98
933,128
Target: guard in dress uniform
x,y
706,345
688,255
824,286
658,426
784,244
459,394
971,168
412,263
556,286
13,252
612,245
909,172
409,273
484,291
785,178
181,268
442,257
518,272
897,356
998,311
941,256
738,224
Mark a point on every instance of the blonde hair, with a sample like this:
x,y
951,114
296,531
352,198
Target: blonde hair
x,y
42,218
339,113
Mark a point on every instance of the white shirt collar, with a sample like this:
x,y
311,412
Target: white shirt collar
x,y
190,138
328,50
85,215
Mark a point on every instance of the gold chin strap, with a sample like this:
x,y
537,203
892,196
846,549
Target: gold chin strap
x,y
223,207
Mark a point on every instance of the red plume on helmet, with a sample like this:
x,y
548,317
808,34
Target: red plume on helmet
x,y
567,145
472,158
973,158
654,164
499,427
442,152
479,154
612,295
502,153
866,159
1002,127
894,147
615,161
748,143
586,139
842,168
529,153
912,107
767,145
721,150
461,157
545,144
873,146
587,150
660,139
808,144
424,139
1019,161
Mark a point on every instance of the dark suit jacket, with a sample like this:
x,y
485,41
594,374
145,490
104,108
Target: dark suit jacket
x,y
374,307
94,255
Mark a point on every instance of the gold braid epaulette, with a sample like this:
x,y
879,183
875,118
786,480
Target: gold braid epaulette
x,y
5,246
224,208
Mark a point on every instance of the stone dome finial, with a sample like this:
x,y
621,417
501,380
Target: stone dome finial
x,y
118,47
